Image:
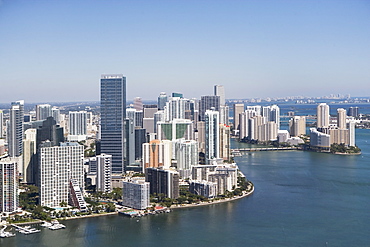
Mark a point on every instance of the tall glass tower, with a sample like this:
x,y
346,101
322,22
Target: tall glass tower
x,y
112,116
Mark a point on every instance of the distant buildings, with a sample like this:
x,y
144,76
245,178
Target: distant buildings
x,y
77,125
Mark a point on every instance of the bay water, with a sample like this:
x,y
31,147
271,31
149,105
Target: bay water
x,y
300,199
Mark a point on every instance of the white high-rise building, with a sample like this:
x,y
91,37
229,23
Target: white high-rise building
x,y
175,108
15,130
8,186
1,124
186,155
341,118
57,166
212,135
219,90
77,125
352,133
136,194
29,156
43,111
104,173
297,126
323,116
175,129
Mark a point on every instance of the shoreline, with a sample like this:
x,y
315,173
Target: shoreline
x,y
245,194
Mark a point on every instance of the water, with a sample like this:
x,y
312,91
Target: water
x,y
301,199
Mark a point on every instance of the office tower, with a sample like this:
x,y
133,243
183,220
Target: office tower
x,y
129,143
162,99
224,142
29,156
219,90
138,103
238,108
104,173
112,115
175,108
186,155
136,194
164,181
159,116
341,118
207,103
77,125
157,153
212,137
175,129
8,186
149,110
353,111
57,166
1,124
323,115
139,115
43,111
140,138
55,113
297,126
179,95
15,130
49,131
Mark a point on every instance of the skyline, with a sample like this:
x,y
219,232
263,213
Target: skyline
x,y
255,49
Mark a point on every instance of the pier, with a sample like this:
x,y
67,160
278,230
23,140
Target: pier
x,y
235,151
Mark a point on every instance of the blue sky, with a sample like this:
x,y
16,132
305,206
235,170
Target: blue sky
x,y
56,50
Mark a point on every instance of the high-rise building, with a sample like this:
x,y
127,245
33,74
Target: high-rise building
x,y
162,99
351,133
186,155
57,166
136,194
323,115
208,103
43,111
8,186
164,181
49,131
224,142
212,135
29,156
104,173
341,118
1,124
112,115
77,125
238,108
138,104
175,108
353,111
297,126
15,131
219,90
55,113
157,153
175,129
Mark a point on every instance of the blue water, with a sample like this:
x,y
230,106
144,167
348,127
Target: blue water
x,y
301,199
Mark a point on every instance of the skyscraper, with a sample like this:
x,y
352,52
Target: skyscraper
x,y
1,124
212,135
297,126
206,103
162,99
104,173
15,131
341,118
323,115
77,125
57,166
238,109
8,186
220,91
112,115
43,111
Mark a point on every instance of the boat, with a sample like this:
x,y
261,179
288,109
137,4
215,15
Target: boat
x,y
46,224
4,234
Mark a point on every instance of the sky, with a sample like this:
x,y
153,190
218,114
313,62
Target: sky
x,y
56,51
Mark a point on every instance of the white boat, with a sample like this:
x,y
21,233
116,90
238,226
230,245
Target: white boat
x,y
46,224
4,234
